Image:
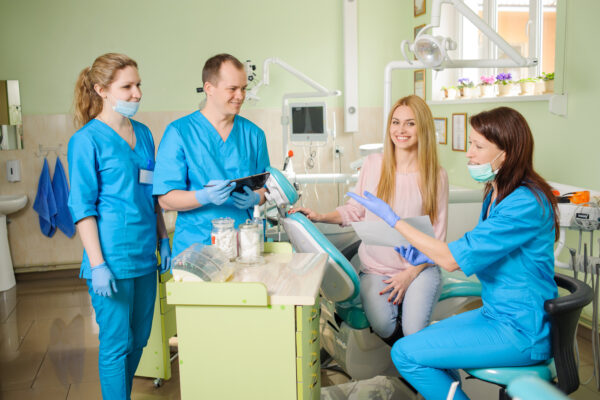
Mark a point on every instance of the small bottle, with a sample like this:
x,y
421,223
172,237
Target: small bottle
x,y
249,242
224,236
258,220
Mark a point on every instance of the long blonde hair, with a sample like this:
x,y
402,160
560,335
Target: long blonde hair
x,y
87,104
426,157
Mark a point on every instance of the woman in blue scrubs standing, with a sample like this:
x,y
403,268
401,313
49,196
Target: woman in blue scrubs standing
x,y
511,251
111,159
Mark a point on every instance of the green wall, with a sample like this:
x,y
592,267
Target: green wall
x,y
44,44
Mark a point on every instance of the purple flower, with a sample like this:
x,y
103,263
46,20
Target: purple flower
x,y
504,77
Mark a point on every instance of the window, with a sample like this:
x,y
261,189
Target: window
x,y
529,26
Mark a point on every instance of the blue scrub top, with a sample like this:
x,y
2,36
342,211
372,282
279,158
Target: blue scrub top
x,y
511,251
190,154
104,173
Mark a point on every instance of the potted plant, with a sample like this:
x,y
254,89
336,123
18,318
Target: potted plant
x,y
505,83
548,81
452,93
527,86
540,85
486,85
467,88
444,91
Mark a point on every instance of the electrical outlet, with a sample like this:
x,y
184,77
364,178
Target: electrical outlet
x,y
339,150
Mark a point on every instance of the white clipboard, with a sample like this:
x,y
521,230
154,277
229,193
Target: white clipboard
x,y
379,233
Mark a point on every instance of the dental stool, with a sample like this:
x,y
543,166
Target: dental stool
x,y
561,370
345,331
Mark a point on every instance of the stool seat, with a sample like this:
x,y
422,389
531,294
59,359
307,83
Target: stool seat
x,y
504,375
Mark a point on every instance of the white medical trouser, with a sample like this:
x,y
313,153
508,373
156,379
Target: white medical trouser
x,y
417,305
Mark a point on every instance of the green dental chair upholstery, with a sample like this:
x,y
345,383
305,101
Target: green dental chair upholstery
x,y
561,370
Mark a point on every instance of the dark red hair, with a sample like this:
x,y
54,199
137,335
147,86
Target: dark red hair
x,y
508,129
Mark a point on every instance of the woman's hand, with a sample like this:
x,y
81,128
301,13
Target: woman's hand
x,y
399,283
310,214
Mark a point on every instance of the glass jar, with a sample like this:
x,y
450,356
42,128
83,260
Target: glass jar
x,y
224,236
249,238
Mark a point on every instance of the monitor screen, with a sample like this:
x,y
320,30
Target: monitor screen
x,y
308,122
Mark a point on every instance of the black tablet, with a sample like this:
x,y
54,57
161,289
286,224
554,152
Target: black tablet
x,y
254,182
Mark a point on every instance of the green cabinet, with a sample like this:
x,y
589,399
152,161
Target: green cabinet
x,y
246,340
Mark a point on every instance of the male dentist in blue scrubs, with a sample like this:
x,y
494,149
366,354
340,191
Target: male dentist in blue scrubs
x,y
200,153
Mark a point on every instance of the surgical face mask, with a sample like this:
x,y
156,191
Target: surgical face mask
x,y
483,172
127,108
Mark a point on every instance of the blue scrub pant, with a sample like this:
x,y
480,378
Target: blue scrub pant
x,y
420,298
125,321
467,340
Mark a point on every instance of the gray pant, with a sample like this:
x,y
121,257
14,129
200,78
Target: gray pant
x,y
417,305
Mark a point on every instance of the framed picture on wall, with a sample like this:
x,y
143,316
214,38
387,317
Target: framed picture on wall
x,y
441,127
419,83
459,131
416,31
419,7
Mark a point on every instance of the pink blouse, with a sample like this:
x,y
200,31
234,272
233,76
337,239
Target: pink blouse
x,y
382,260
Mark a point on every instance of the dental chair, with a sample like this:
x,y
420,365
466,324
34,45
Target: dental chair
x,y
345,331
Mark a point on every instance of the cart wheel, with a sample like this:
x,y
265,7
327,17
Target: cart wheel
x,y
158,382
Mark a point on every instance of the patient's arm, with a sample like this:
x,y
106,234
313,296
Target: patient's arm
x,y
333,217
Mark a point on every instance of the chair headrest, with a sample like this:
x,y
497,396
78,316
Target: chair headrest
x,y
280,190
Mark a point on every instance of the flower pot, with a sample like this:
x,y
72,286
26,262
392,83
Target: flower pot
x,y
549,86
487,90
540,87
470,93
504,90
527,88
452,94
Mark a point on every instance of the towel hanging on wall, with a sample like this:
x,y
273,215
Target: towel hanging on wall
x,y
45,204
60,187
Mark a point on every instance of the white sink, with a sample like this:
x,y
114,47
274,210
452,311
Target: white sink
x,y
11,203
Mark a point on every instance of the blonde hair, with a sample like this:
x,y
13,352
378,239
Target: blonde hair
x,y
87,103
426,157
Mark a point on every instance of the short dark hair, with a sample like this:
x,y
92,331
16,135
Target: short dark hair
x,y
210,72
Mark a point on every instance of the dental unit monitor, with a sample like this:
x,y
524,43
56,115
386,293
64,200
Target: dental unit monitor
x,y
308,122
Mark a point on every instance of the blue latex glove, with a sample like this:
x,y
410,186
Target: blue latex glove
x,y
377,207
215,192
164,249
103,281
413,255
246,200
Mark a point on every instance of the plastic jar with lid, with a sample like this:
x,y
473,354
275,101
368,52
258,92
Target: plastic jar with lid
x,y
250,243
224,236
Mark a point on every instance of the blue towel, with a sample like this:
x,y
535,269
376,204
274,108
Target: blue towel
x,y
44,203
60,187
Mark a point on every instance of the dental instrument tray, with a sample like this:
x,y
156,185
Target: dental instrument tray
x,y
254,182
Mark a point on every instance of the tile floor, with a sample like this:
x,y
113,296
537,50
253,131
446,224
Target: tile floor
x,y
49,346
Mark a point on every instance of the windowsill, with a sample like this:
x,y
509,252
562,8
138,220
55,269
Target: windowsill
x,y
496,99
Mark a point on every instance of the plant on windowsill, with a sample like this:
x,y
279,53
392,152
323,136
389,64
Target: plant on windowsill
x,y
450,93
486,86
467,88
548,81
505,83
527,86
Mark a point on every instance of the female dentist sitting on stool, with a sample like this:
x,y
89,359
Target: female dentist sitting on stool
x,y
510,251
111,159
397,298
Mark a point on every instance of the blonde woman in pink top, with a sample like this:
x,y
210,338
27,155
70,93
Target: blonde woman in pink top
x,y
398,298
